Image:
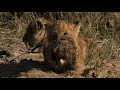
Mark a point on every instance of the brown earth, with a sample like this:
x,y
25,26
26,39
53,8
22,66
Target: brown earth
x,y
32,65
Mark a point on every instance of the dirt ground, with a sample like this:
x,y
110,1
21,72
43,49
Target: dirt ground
x,y
32,66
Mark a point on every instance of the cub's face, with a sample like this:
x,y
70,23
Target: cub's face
x,y
61,30
35,32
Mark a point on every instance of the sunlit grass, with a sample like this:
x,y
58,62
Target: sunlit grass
x,y
101,30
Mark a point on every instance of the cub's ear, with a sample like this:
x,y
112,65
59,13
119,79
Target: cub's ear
x,y
41,22
77,27
39,25
34,25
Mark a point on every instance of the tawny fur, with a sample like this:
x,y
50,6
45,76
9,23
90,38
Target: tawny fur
x,y
65,49
35,33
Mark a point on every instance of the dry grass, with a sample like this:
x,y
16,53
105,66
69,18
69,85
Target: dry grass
x,y
100,29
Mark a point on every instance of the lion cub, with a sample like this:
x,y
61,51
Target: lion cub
x,y
35,34
65,49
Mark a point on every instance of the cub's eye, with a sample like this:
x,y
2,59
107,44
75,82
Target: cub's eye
x,y
65,33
